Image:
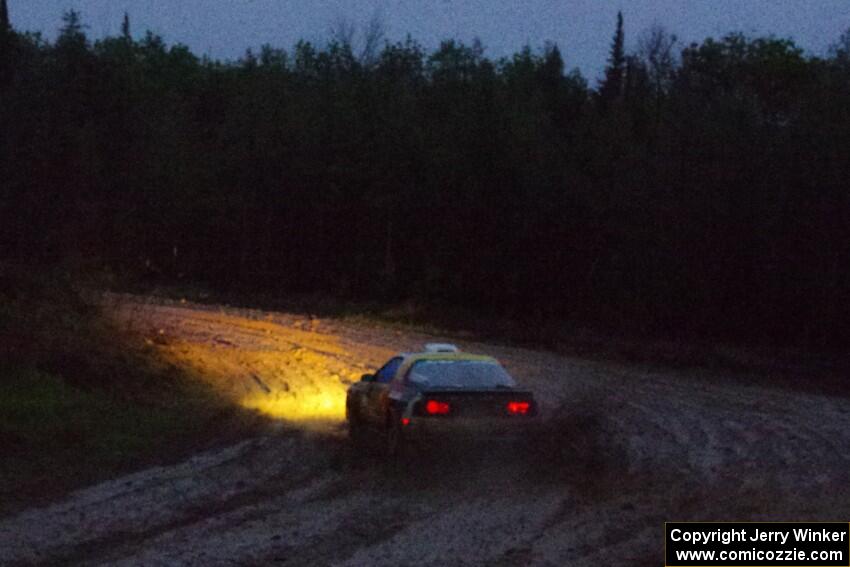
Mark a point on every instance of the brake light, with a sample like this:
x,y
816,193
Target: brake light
x,y
434,407
518,408
405,421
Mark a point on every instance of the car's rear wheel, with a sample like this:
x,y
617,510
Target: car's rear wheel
x,y
393,437
355,431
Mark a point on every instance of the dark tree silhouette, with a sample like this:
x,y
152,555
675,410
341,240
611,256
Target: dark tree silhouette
x,y
6,45
611,87
840,50
5,26
694,194
125,27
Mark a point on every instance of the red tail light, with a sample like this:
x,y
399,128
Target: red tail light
x,y
434,407
518,408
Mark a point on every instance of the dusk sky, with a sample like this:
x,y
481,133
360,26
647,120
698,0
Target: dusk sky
x,y
582,28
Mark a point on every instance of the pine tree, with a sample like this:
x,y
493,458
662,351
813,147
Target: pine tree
x,y
553,63
612,86
72,35
125,28
6,44
4,18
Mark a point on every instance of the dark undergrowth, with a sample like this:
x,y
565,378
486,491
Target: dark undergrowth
x,y
80,403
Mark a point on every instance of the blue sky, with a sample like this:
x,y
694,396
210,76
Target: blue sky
x,y
582,28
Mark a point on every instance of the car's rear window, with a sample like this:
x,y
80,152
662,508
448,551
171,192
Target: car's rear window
x,y
460,374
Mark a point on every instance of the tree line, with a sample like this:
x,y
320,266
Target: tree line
x,y
696,190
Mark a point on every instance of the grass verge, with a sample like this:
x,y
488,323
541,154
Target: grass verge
x,y
79,403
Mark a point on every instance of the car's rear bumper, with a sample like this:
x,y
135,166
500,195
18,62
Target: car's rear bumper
x,y
483,429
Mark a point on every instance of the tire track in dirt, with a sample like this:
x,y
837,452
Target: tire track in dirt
x,y
145,504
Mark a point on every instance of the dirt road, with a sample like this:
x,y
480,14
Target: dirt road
x,y
627,448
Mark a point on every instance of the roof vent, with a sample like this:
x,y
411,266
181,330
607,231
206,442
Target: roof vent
x,y
441,347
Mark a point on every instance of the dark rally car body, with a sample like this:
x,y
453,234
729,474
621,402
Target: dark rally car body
x,y
438,393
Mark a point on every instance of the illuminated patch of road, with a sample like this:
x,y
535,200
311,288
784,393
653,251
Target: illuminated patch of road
x,y
299,376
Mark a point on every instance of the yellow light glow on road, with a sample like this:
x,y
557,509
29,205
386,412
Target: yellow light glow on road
x,y
306,406
291,385
285,372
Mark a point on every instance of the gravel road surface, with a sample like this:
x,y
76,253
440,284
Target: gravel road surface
x,y
623,449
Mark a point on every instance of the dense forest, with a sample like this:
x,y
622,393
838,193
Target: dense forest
x,y
695,190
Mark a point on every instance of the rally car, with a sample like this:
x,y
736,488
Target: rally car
x,y
440,392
